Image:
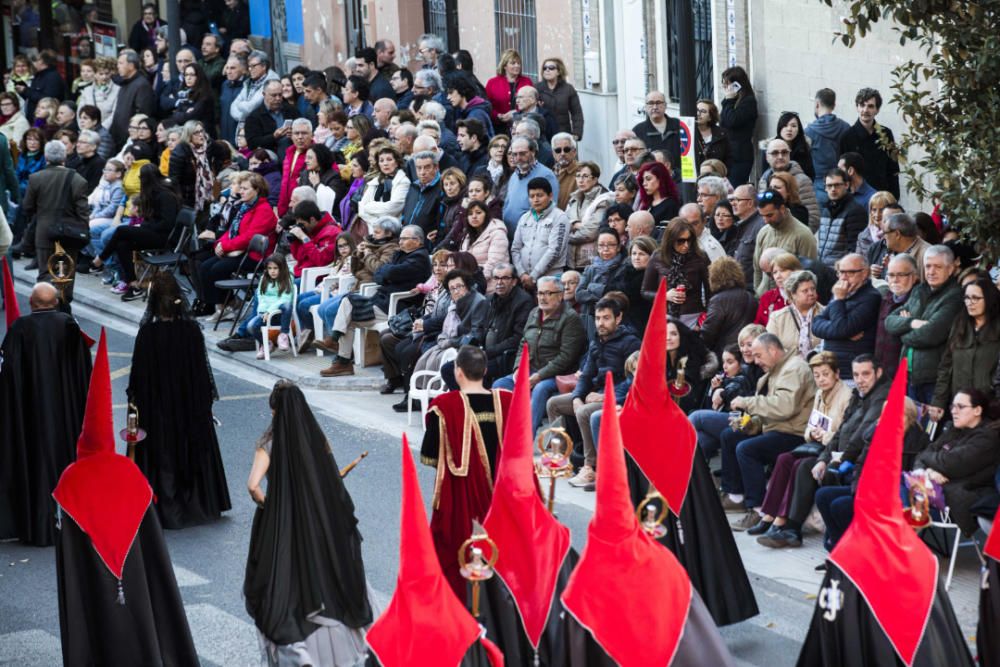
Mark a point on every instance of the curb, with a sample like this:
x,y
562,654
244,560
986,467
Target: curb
x,y
287,369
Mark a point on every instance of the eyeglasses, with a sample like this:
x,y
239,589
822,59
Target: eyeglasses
x,y
607,245
252,65
618,142
741,199
969,298
549,294
703,195
584,174
563,149
959,406
408,238
848,272
684,240
765,197
634,149
656,104
457,289
503,278
778,153
897,276
550,68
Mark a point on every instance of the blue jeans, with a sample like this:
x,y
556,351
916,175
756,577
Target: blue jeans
x,y
708,424
744,458
255,323
241,330
540,395
595,428
836,506
328,311
100,234
305,302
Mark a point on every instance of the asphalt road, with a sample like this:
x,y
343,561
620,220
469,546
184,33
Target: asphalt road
x,y
209,560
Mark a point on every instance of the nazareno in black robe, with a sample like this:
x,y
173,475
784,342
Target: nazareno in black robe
x,y
149,629
854,638
703,542
172,386
988,630
305,548
44,374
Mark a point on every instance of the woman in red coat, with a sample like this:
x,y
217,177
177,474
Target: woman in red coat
x,y
253,215
502,89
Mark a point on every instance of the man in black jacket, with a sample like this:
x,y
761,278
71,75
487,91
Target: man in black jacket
x,y
269,125
508,313
874,143
848,323
472,140
607,352
423,200
410,265
841,221
46,83
661,132
135,95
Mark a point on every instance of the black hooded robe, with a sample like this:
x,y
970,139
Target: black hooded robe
x,y
44,375
854,638
703,542
151,628
305,548
988,630
172,386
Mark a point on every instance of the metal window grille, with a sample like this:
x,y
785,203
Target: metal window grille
x,y
515,29
701,11
355,23
441,19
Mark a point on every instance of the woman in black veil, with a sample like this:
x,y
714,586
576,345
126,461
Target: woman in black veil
x,y
305,583
172,386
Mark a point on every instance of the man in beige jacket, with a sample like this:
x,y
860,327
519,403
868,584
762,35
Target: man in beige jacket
x,y
781,405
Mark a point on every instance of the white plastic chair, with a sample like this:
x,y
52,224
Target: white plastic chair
x,y
946,525
267,327
433,386
379,324
332,284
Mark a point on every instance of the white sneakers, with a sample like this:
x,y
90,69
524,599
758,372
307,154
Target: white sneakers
x,y
585,476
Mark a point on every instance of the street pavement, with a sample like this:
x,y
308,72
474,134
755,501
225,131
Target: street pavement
x,y
209,560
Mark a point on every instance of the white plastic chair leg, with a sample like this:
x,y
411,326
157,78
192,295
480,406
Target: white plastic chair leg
x,y
954,554
266,342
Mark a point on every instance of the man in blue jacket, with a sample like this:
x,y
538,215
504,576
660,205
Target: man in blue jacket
x,y
607,352
825,133
849,322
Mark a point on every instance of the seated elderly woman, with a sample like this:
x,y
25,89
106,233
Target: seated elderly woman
x,y
964,459
731,306
793,323
832,398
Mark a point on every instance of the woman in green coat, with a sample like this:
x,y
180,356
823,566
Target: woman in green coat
x,y
971,353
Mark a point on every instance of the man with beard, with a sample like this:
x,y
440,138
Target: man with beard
x,y
118,598
462,440
43,391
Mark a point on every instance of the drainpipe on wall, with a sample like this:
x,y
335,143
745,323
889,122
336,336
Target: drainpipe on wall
x,y
684,21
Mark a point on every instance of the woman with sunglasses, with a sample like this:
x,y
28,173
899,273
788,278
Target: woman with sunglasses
x,y
559,96
685,267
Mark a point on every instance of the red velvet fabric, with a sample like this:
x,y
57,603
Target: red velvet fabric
x,y
11,310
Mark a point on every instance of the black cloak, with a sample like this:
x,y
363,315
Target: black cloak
x,y
703,542
988,630
149,629
172,386
854,638
305,548
44,375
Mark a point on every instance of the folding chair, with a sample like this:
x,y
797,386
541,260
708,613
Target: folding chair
x,y
267,327
930,537
156,260
243,282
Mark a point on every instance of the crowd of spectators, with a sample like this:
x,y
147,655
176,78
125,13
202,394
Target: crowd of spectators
x,y
445,212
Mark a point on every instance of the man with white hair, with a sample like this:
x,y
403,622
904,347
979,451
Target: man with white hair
x,y
425,143
709,245
924,323
779,158
437,111
711,190
383,109
295,161
259,72
530,128
523,152
640,223
564,152
40,201
406,134
430,46
526,102
269,125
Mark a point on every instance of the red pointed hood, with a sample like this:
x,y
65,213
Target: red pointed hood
x,y
424,618
12,310
656,433
900,590
103,492
532,544
629,592
992,547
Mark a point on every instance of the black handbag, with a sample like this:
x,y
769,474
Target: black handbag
x,y
364,307
401,324
68,231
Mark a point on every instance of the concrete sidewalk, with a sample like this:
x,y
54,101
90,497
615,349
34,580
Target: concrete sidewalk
x,y
354,400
